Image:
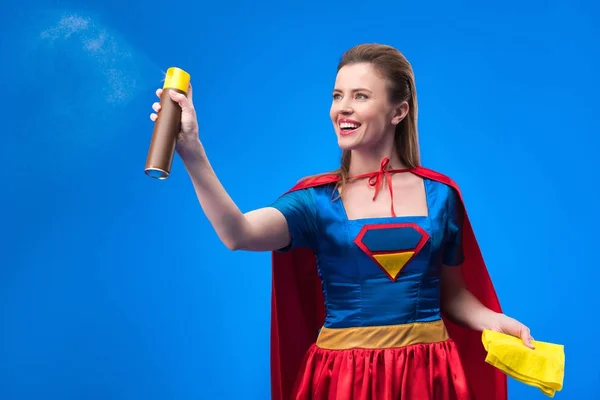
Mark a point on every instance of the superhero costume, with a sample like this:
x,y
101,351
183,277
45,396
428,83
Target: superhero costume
x,y
356,303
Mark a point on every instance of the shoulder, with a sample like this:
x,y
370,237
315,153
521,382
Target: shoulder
x,y
436,176
309,193
308,189
315,181
445,186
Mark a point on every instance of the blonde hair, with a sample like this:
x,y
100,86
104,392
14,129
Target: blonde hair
x,y
398,72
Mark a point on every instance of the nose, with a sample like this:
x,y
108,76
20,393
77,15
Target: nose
x,y
345,108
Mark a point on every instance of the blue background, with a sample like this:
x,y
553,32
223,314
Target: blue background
x,y
114,286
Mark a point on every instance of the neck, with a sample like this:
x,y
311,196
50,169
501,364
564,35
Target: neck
x,y
369,160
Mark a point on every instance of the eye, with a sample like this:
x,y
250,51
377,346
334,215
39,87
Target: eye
x,y
336,96
361,96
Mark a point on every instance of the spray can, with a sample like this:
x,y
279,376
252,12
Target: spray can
x,y
166,126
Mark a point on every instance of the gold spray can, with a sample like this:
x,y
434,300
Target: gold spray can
x,y
166,126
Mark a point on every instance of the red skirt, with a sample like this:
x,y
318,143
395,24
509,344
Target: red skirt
x,y
430,371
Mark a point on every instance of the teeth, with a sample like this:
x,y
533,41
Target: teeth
x,y
348,125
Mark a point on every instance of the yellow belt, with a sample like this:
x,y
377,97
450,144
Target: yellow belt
x,y
381,337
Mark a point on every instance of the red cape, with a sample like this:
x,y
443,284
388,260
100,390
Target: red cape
x,y
298,309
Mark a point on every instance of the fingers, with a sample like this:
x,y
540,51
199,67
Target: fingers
x,y
189,92
526,337
156,107
184,102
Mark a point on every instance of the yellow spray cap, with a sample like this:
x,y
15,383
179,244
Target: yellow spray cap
x,y
176,78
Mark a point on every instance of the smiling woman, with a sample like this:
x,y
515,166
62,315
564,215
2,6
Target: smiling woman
x,y
363,113
374,296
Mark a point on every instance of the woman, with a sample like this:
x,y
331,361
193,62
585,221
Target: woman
x,y
393,249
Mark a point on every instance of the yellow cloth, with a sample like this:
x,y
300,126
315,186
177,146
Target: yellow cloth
x,y
542,367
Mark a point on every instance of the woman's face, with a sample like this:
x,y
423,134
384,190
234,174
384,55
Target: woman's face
x,y
360,111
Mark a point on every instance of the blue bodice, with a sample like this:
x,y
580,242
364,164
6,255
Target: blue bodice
x,y
376,271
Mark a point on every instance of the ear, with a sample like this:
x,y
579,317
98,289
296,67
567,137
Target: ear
x,y
400,112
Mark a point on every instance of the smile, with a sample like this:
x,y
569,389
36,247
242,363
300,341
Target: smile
x,y
348,127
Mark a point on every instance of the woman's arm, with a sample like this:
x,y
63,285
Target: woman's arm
x,y
260,230
263,229
462,307
457,303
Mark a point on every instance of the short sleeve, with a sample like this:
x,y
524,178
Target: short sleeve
x,y
299,209
453,249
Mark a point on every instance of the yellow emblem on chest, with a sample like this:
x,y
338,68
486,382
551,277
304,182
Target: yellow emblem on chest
x,y
391,246
394,262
